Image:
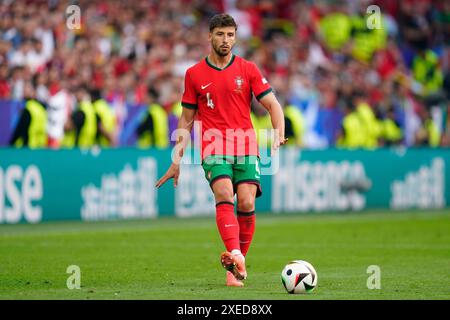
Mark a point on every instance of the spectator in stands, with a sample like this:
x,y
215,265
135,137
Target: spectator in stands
x,y
60,107
5,90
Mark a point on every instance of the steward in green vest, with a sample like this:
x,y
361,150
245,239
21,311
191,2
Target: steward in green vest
x,y
365,40
86,125
31,130
83,125
431,129
262,124
428,134
177,109
391,132
335,30
434,136
426,71
294,125
352,131
107,117
154,129
372,127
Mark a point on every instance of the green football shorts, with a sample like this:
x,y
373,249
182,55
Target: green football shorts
x,y
239,169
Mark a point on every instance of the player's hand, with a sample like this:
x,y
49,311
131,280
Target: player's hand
x,y
279,141
172,172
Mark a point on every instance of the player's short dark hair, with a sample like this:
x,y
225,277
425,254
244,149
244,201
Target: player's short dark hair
x,y
222,20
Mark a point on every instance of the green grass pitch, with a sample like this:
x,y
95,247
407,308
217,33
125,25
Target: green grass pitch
x,y
178,259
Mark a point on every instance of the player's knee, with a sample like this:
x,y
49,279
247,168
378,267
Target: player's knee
x,y
246,204
224,195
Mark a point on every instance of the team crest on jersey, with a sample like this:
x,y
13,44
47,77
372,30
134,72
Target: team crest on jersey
x,y
239,84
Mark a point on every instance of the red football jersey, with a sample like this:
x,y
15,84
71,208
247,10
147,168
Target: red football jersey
x,y
223,99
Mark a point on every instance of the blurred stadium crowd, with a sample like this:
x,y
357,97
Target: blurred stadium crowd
x,y
118,80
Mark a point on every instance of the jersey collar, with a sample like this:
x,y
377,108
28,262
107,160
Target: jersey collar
x,y
218,69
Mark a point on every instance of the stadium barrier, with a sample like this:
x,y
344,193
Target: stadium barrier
x,y
102,184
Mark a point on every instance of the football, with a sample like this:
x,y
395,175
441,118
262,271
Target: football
x,y
299,276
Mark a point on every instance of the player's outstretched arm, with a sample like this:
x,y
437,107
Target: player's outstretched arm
x,y
182,137
272,105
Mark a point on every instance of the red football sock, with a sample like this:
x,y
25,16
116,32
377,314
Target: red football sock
x,y
228,225
247,221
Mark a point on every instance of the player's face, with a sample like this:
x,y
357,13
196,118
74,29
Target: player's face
x,y
222,40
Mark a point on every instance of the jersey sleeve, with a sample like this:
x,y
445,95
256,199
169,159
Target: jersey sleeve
x,y
189,99
258,84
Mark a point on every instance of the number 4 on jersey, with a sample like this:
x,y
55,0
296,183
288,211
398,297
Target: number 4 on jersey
x,y
210,103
